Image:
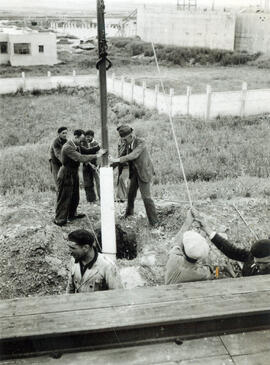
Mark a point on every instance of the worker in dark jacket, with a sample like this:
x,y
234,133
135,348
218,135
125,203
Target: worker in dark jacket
x,y
123,174
90,170
141,171
256,260
68,179
55,152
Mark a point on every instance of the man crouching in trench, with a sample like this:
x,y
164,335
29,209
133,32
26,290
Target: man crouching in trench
x,y
186,258
90,270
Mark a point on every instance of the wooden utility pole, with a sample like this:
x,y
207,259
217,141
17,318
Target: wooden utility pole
x,y
106,172
103,65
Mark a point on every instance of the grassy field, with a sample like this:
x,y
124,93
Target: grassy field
x,y
223,148
177,77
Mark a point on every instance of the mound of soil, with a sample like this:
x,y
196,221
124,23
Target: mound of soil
x,y
35,256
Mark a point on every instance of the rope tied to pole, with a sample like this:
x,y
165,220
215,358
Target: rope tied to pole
x,y
173,130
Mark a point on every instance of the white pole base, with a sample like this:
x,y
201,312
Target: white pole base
x,y
107,213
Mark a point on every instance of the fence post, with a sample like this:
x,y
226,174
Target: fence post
x,y
143,92
188,98
132,89
74,77
171,101
208,102
243,99
113,81
122,86
156,96
23,80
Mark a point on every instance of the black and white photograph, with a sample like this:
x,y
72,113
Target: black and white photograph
x,y
135,182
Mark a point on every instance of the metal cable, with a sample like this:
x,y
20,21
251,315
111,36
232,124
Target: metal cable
x,y
173,130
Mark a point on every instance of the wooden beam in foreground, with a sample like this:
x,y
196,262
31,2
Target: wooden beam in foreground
x,y
65,323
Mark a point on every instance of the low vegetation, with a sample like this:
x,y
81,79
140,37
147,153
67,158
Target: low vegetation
x,y
183,56
223,148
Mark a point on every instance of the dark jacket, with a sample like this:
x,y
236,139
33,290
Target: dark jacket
x,y
93,146
140,159
239,254
55,150
72,155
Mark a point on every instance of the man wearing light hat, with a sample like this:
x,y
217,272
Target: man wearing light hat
x,y
141,172
185,259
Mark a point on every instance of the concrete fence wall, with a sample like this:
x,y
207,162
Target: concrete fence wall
x,y
207,106
11,85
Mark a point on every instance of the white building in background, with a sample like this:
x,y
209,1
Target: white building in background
x,y
22,47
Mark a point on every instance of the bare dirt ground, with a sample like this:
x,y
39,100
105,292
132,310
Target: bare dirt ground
x,y
35,256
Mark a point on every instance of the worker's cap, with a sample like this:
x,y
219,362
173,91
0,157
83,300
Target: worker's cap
x,y
124,130
81,237
261,248
195,245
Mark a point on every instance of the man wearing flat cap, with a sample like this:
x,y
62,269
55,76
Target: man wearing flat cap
x,y
141,172
90,270
256,260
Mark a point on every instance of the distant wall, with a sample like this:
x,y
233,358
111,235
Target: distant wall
x,y
47,40
186,29
253,33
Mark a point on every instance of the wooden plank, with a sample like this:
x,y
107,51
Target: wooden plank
x,y
137,355
260,358
134,316
114,298
247,343
99,328
187,310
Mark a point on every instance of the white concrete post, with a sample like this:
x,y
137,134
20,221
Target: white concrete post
x,y
208,102
23,80
188,98
122,86
132,89
171,101
243,99
107,212
266,6
143,92
113,81
49,74
74,77
156,96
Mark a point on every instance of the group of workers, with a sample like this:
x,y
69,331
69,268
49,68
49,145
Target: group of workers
x,y
91,270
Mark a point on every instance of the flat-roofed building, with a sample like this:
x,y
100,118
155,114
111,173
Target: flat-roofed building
x,y
22,47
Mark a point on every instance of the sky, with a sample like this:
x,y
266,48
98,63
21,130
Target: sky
x,y
110,4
